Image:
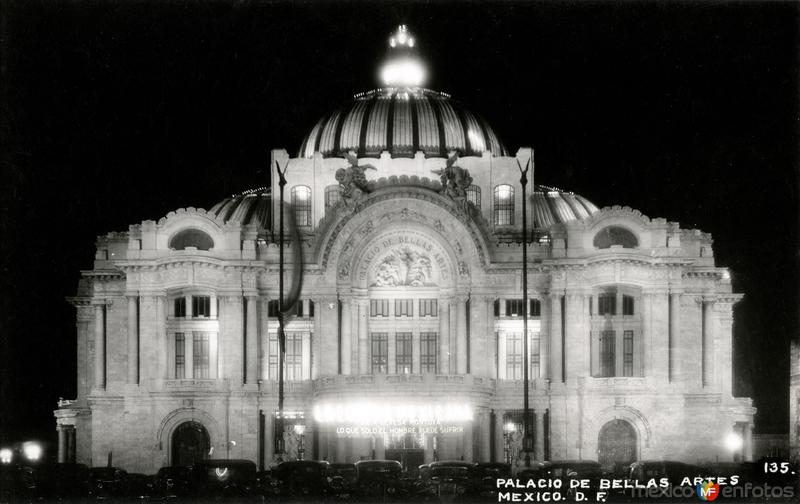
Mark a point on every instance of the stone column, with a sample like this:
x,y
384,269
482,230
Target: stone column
x,y
444,336
708,342
480,355
415,353
485,437
321,340
363,336
133,339
347,331
252,340
461,334
161,336
341,450
188,353
501,355
538,448
468,442
428,454
576,337
556,350
747,451
70,430
230,340
647,334
148,337
263,339
391,353
659,327
99,346
62,444
499,442
544,338
674,369
306,358
726,328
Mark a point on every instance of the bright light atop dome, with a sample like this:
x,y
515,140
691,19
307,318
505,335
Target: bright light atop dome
x,y
406,72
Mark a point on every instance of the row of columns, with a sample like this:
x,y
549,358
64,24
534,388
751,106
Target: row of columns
x,y
66,443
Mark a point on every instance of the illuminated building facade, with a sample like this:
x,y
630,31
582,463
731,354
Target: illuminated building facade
x,y
407,342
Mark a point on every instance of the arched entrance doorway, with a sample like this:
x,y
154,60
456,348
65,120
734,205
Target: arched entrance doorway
x,y
190,444
616,444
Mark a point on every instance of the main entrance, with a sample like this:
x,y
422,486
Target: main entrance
x,y
190,444
616,444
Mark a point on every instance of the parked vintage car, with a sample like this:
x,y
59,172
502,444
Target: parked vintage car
x,y
380,479
302,478
224,478
446,480
17,483
485,476
342,479
107,482
173,481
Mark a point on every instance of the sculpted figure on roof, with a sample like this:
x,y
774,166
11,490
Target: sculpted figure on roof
x,y
352,180
455,181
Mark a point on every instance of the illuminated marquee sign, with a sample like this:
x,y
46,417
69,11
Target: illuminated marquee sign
x,y
385,414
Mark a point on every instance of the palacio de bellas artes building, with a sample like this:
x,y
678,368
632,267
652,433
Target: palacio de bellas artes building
x,y
407,340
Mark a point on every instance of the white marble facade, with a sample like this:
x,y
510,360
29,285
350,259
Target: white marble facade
x,y
409,297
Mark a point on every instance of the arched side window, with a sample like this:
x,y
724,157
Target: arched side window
x,y
191,238
301,203
474,195
333,193
615,235
504,205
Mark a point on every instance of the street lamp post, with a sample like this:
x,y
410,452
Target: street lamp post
x,y
279,448
527,439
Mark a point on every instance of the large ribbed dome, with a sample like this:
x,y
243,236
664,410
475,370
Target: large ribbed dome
x,y
401,121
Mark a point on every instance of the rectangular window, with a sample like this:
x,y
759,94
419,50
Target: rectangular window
x,y
504,205
201,306
535,308
333,193
403,353
378,307
427,352
535,356
627,353
273,355
273,308
293,364
607,353
180,355
496,307
428,308
627,305
379,350
514,356
201,355
180,307
294,356
403,307
607,304
514,307
310,308
298,308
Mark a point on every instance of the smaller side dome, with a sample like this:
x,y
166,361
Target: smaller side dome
x,y
554,206
615,236
249,207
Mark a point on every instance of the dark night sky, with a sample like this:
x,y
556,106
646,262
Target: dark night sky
x,y
113,113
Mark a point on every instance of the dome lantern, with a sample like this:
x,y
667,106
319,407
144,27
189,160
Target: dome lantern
x,y
403,67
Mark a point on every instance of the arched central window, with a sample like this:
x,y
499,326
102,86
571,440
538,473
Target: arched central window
x,y
301,202
504,205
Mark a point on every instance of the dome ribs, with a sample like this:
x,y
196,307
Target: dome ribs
x,y
414,125
390,122
437,112
402,121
